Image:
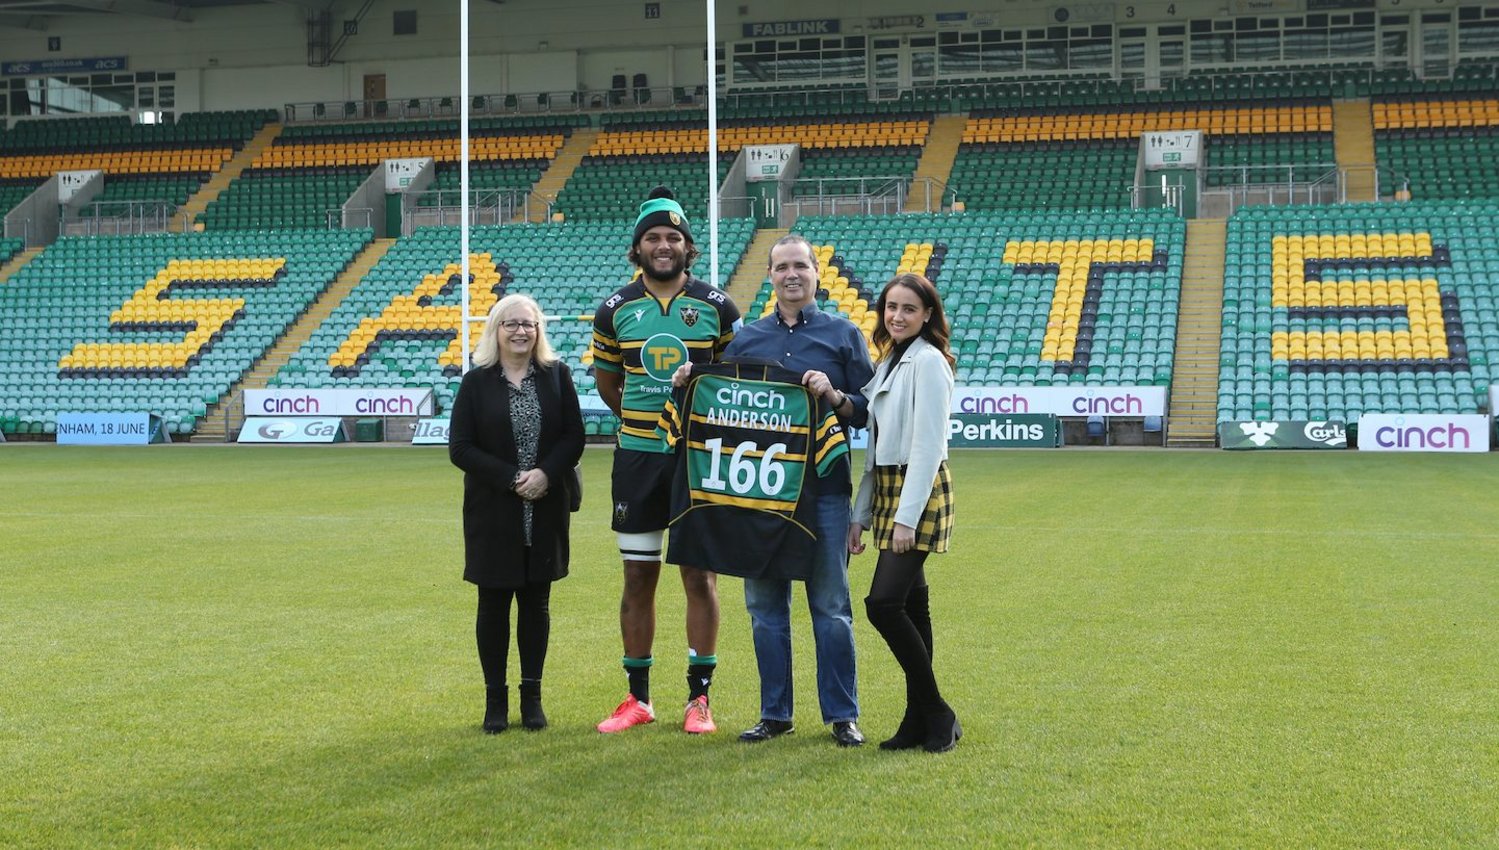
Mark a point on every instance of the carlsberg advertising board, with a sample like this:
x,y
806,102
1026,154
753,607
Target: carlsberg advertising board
x,y
1283,435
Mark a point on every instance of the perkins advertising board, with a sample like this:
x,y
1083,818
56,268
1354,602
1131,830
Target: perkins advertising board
x,y
1062,401
1423,432
271,429
109,429
988,430
1292,434
361,402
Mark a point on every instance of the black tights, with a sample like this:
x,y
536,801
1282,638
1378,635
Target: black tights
x,y
898,607
532,627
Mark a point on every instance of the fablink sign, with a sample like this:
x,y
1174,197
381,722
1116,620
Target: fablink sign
x,y
986,430
362,402
1062,401
1423,432
1283,435
777,29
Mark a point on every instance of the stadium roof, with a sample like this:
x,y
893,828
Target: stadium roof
x,y
34,14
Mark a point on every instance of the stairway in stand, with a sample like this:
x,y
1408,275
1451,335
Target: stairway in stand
x,y
1193,418
15,264
750,273
210,191
215,424
937,157
557,174
1353,146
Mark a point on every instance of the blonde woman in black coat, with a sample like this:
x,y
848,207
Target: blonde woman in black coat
x,y
516,432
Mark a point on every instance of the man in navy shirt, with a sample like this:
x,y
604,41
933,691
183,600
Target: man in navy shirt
x,y
833,357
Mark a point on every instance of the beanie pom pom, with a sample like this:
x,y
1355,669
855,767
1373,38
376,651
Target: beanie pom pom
x,y
661,192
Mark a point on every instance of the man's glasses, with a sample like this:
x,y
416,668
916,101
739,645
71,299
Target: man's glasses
x,y
514,325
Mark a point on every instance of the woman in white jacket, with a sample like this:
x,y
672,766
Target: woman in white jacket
x,y
905,497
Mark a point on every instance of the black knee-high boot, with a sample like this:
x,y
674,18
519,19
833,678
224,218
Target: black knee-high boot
x,y
905,641
912,731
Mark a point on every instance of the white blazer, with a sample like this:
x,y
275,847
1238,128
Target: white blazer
x,y
909,402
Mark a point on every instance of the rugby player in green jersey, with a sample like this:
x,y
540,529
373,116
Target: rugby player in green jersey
x,y
641,334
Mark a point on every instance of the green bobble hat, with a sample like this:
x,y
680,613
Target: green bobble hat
x,y
661,208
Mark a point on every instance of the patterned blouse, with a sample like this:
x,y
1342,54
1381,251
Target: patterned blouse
x,y
525,422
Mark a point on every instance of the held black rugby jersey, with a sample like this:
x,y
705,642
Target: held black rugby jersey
x,y
746,438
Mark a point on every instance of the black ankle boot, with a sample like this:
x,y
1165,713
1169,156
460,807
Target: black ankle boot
x,y
942,729
531,715
496,709
911,734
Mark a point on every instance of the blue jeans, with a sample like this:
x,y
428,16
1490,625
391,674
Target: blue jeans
x,y
769,603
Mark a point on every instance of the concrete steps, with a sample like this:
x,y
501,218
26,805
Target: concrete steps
x,y
16,263
750,274
210,191
1353,147
557,174
937,156
1193,413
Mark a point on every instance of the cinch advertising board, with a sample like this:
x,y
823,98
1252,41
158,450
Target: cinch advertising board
x,y
991,430
109,429
430,432
360,402
1062,401
1423,432
1284,434
271,429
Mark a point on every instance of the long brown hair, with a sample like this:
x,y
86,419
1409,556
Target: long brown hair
x,y
934,331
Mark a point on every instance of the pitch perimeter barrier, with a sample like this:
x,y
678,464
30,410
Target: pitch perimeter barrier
x,y
110,429
1284,434
270,429
1137,401
1424,432
339,402
989,430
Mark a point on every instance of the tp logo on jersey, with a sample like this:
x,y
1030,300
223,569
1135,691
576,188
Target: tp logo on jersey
x,y
1259,433
661,355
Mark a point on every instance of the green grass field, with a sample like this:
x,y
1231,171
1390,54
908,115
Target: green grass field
x,y
242,647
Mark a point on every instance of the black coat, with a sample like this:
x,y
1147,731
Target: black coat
x,y
481,443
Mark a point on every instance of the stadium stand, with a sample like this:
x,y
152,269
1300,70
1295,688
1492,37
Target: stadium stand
x,y
1330,312
1447,149
1035,299
310,171
164,324
397,328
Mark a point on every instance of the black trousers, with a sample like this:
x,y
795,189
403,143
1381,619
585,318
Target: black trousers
x,y
533,626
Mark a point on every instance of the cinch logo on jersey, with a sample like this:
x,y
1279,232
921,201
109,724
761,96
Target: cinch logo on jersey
x,y
748,408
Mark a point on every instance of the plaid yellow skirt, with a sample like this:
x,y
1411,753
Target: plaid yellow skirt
x,y
936,521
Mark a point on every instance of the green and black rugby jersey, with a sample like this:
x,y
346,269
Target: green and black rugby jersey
x,y
647,339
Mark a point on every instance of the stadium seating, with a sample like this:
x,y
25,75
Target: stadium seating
x,y
163,324
398,325
1034,299
1331,312
1446,149
311,170
605,187
1032,158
